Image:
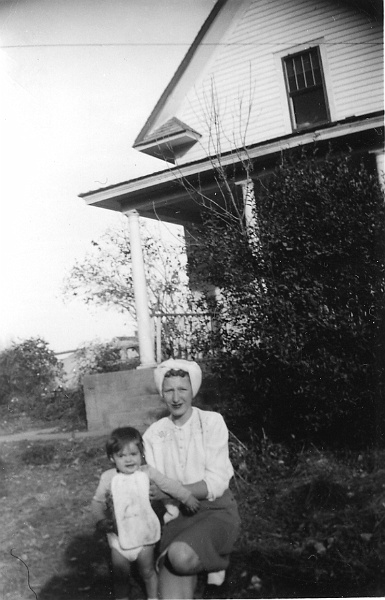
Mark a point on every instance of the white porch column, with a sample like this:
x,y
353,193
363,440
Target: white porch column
x,y
145,336
249,203
380,164
249,210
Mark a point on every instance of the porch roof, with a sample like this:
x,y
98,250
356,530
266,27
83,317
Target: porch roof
x,y
170,195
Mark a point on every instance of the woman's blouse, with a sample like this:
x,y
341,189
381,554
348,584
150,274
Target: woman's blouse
x,y
196,451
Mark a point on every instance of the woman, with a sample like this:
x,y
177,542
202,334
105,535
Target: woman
x,y
191,445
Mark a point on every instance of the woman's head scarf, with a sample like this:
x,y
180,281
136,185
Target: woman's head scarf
x,y
189,366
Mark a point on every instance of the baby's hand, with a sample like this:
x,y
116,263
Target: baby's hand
x,y
192,504
105,526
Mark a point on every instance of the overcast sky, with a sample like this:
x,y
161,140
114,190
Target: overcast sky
x,y
78,80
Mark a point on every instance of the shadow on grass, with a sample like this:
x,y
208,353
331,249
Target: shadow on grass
x,y
86,573
274,573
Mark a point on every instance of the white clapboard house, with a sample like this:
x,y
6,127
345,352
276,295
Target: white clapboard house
x,y
262,76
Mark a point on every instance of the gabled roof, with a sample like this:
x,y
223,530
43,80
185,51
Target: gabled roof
x,y
159,136
173,126
162,118
169,141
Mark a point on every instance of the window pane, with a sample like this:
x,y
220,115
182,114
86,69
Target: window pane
x,y
299,72
317,76
314,58
310,108
316,66
290,75
307,67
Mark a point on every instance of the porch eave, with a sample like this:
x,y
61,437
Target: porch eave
x,y
167,188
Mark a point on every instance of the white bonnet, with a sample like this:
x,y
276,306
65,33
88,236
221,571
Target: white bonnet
x,y
191,367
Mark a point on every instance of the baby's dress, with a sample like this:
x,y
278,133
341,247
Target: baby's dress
x,y
136,521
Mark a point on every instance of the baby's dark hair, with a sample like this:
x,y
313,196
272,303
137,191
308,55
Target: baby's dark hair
x,y
122,436
177,373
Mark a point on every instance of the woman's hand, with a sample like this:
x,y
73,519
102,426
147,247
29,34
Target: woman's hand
x,y
192,504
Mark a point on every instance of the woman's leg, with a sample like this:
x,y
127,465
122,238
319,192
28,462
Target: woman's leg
x,y
145,562
121,574
178,572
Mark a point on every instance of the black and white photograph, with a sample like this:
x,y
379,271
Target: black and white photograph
x,y
192,309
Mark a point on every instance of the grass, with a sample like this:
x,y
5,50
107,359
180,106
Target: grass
x,y
312,523
46,521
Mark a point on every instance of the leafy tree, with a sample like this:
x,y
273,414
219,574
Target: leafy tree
x,y
300,310
29,372
104,276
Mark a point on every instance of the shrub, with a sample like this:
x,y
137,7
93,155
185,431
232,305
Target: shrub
x,y
29,372
300,318
66,405
101,357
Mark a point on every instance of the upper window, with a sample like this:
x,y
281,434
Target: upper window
x,y
306,89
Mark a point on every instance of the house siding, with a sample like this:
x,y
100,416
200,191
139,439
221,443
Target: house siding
x,y
247,69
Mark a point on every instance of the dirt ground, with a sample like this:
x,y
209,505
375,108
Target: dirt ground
x,y
50,550
313,524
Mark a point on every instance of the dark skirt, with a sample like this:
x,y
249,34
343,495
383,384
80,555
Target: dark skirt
x,y
211,532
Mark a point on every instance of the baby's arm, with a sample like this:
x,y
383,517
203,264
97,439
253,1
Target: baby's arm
x,y
173,488
103,521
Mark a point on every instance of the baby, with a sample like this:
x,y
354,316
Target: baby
x,y
121,507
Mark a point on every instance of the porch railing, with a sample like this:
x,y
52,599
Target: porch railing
x,y
183,335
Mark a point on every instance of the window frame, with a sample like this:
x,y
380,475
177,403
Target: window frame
x,y
306,90
287,105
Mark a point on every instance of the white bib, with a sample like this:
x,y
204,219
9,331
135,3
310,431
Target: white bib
x,y
136,521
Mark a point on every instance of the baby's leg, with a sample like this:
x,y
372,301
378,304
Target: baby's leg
x,y
121,574
145,562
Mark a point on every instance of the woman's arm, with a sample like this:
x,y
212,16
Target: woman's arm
x,y
171,487
218,468
199,489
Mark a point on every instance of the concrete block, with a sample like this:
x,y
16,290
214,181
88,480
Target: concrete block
x,y
121,398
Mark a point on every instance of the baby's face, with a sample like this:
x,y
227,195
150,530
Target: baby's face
x,y
128,459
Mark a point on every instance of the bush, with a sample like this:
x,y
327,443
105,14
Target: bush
x,y
66,405
299,330
29,373
101,357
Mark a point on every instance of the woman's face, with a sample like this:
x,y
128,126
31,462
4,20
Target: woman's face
x,y
177,394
